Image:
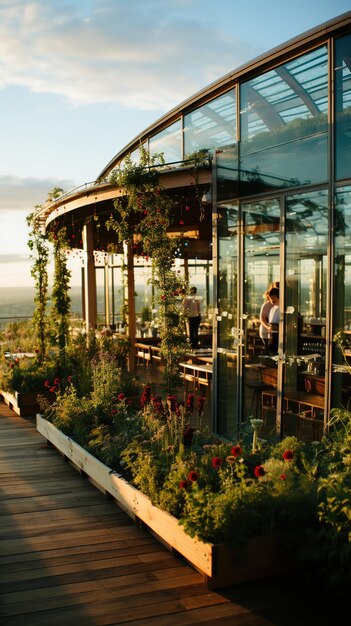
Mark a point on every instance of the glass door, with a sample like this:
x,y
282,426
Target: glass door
x,y
229,333
261,225
306,246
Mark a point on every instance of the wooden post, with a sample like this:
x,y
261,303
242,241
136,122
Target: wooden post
x,y
131,303
89,277
107,293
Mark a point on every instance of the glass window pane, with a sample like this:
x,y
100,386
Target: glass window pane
x,y
227,174
211,126
306,266
262,270
283,120
295,164
169,143
227,320
341,387
343,106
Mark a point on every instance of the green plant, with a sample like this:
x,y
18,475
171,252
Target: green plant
x,y
38,246
143,214
18,337
223,492
61,300
28,375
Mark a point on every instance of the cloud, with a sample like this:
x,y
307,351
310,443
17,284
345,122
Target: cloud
x,y
23,194
141,54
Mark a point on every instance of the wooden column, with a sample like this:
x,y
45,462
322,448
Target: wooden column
x,y
89,277
128,247
186,270
107,293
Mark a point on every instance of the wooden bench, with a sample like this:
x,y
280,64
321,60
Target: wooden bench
x,y
143,353
306,407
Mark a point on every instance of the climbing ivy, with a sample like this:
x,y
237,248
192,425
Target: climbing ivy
x,y
143,212
39,248
61,301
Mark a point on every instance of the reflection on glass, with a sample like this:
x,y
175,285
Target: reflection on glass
x,y
291,165
278,110
343,106
227,320
306,266
212,125
227,275
227,174
341,387
227,398
168,142
262,268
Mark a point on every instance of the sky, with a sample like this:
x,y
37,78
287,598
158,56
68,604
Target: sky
x,y
79,79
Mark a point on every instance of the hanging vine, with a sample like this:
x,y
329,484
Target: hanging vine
x,y
61,301
144,210
39,248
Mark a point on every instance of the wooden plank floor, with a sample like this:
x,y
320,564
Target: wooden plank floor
x,y
70,556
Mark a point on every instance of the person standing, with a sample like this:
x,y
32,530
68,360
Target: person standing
x,y
264,320
273,319
192,314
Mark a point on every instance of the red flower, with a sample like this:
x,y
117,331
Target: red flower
x,y
217,462
183,484
283,476
47,383
56,381
200,405
193,476
114,411
53,390
236,451
190,402
259,471
288,455
172,403
188,435
121,397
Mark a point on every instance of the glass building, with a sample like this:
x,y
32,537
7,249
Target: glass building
x,y
270,206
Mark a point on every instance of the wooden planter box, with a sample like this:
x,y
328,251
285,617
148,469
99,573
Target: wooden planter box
x,y
219,564
24,403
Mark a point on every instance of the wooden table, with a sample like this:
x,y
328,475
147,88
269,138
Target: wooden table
x,y
197,374
203,356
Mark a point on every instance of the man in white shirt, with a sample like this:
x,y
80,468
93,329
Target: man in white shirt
x,y
192,313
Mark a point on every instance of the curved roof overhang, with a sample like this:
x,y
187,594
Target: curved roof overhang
x,y
95,204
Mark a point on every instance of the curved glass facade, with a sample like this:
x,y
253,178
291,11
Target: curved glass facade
x,y
279,132
283,221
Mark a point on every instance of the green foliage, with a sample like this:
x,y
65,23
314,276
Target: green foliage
x,y
143,213
72,414
219,491
19,337
24,375
61,300
38,246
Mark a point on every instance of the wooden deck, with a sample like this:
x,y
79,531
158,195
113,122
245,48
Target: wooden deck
x,y
70,556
